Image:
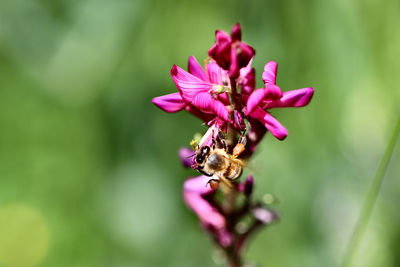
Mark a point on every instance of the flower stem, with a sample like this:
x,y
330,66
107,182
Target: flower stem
x,y
234,260
370,200
235,97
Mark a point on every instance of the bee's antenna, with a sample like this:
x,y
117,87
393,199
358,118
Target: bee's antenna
x,y
191,155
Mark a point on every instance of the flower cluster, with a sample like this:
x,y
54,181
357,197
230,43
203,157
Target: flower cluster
x,y
224,97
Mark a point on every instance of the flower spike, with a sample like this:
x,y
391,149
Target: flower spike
x,y
236,117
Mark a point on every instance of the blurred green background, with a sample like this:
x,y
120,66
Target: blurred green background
x,y
89,172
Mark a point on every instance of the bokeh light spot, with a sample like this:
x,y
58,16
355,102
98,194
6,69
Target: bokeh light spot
x,y
24,236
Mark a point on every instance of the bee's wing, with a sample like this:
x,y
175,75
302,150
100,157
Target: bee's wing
x,y
252,168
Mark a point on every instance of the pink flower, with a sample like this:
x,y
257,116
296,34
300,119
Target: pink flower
x,y
246,187
222,226
170,103
223,95
247,80
187,156
230,52
271,96
264,215
199,93
195,192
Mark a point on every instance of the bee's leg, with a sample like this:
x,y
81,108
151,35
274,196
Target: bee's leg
x,y
214,184
222,141
214,143
240,146
242,140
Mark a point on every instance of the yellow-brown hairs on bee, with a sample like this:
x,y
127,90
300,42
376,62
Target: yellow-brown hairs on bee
x,y
226,181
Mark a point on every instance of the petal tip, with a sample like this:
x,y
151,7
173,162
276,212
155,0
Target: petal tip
x,y
282,137
269,74
236,32
174,70
170,103
254,100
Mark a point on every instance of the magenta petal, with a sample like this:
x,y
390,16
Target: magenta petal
x,y
188,85
238,120
264,215
246,53
224,98
270,123
195,68
169,103
294,98
234,67
236,32
205,102
222,37
216,74
269,74
198,185
225,238
246,187
212,52
211,133
247,79
193,189
254,100
187,156
206,117
221,50
273,91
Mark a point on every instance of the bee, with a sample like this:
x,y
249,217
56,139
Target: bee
x,y
217,161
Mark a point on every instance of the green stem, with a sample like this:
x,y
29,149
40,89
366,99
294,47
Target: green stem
x,y
370,200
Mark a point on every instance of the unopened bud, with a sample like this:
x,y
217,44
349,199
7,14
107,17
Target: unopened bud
x,y
247,186
264,215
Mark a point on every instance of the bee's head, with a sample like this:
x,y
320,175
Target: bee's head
x,y
202,154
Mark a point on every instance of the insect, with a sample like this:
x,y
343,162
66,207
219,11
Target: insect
x,y
217,161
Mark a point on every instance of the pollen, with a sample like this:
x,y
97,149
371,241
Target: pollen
x,y
237,150
194,144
